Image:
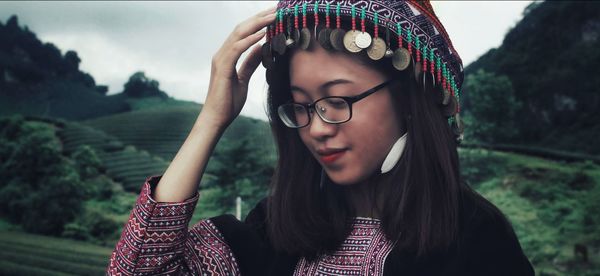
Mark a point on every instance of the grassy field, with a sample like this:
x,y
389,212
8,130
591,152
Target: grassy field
x,y
27,254
552,206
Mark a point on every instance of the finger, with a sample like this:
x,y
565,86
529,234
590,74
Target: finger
x,y
267,11
241,46
250,26
250,64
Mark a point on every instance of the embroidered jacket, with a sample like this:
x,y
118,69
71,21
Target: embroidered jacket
x,y
156,241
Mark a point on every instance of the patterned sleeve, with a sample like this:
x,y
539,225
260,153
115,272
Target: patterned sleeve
x,y
156,241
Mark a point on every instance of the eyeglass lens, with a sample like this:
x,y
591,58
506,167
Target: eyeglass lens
x,y
331,110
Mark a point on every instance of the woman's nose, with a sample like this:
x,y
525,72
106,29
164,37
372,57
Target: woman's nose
x,y
320,129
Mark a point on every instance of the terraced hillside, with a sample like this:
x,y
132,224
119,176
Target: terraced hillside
x,y
124,164
161,131
27,254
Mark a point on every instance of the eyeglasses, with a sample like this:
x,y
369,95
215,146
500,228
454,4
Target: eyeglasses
x,y
333,109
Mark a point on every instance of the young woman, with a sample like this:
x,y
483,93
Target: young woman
x,y
368,179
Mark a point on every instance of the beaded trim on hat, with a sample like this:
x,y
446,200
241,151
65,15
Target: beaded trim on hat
x,y
414,24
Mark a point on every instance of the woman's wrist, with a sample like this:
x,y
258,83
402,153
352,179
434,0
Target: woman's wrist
x,y
210,123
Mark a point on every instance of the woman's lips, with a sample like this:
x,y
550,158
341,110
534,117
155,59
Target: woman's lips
x,y
331,157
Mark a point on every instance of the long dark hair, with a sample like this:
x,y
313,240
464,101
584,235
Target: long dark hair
x,y
421,194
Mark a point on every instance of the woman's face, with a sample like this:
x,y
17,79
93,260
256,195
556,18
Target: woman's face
x,y
360,145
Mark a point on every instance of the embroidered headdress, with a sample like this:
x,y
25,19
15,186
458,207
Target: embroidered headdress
x,y
407,33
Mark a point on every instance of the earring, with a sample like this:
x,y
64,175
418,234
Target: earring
x,y
394,155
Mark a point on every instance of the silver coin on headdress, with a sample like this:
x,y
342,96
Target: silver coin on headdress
x,y
278,43
458,127
401,59
296,37
363,40
446,97
350,41
324,38
337,39
450,109
377,49
304,39
267,56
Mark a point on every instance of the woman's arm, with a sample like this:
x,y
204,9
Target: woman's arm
x,y
227,94
156,239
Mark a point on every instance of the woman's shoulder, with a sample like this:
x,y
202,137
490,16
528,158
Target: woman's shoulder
x,y
488,238
246,239
477,212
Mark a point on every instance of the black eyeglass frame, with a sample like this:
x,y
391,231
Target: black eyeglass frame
x,y
348,99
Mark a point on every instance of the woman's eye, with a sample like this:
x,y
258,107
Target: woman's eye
x,y
299,109
336,103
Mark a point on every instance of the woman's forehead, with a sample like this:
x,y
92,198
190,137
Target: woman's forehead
x,y
321,66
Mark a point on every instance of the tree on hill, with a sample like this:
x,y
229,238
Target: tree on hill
x,y
241,170
40,189
139,86
26,60
494,107
550,57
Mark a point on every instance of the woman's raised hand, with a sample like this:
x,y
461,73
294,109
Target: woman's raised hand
x,y
228,88
226,96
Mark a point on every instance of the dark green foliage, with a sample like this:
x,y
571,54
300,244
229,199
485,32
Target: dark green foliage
x,y
28,60
551,57
240,170
479,165
92,225
40,189
139,86
495,110
124,164
87,162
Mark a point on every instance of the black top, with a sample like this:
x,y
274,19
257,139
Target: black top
x,y
487,245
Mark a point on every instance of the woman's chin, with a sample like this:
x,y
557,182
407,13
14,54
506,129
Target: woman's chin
x,y
344,178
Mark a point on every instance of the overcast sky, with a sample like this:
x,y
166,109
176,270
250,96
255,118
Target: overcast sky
x,y
173,42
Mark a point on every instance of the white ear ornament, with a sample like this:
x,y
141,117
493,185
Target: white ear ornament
x,y
394,155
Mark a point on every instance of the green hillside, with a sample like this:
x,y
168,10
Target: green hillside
x,y
549,59
161,131
27,254
124,164
552,205
37,79
58,99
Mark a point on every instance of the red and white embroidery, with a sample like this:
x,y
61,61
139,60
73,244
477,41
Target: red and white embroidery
x,y
156,240
362,253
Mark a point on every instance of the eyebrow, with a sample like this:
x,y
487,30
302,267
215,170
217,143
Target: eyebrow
x,y
323,87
